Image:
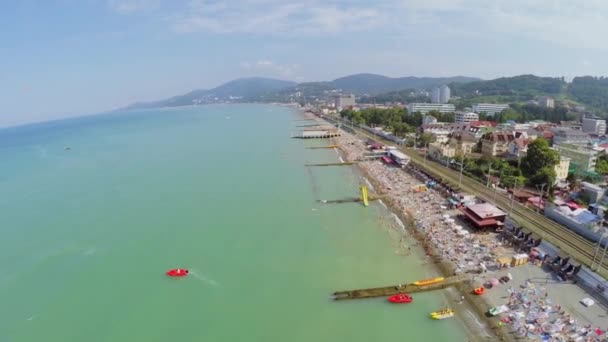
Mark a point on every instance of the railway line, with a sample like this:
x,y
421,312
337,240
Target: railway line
x,y
570,243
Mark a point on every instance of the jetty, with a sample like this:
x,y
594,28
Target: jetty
x,y
312,125
352,200
332,164
395,289
320,147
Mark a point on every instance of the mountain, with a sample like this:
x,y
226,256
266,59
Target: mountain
x,y
259,89
243,88
524,86
376,84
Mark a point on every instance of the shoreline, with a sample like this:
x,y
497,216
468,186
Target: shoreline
x,y
476,326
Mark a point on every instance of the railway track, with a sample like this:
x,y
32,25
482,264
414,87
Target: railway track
x,y
576,246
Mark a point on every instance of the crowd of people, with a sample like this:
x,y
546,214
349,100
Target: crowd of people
x,y
531,313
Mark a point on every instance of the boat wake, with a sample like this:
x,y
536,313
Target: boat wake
x,y
204,279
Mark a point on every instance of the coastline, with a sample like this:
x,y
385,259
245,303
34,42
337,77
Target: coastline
x,y
471,312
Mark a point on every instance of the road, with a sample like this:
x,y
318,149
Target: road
x,y
570,243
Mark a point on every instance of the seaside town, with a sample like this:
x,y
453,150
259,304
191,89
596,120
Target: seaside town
x,y
533,241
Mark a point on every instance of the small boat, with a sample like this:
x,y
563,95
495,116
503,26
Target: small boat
x,y
443,314
400,298
497,310
177,272
428,281
479,291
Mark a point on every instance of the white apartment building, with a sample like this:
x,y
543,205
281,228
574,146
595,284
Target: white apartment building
x,y
441,94
563,135
463,117
424,108
546,101
344,101
585,158
489,108
594,126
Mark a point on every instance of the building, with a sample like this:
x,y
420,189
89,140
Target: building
x,y
441,150
561,169
489,108
428,120
463,117
463,142
344,101
563,135
594,126
424,108
441,94
579,220
496,143
582,158
484,215
595,193
436,95
518,147
546,101
440,135
444,94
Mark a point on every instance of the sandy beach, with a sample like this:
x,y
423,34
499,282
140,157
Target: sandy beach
x,y
449,246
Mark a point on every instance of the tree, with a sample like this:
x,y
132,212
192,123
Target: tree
x,y
426,138
602,166
539,163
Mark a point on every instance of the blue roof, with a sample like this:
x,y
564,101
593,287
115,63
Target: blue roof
x,y
587,217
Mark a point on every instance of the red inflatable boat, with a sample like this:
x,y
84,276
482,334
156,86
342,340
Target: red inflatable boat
x,y
177,272
400,298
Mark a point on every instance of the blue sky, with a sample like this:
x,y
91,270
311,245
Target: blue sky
x,y
62,58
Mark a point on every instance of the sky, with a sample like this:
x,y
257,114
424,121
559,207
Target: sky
x,y
61,58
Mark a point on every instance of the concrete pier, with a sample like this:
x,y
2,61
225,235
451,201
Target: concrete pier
x,y
395,289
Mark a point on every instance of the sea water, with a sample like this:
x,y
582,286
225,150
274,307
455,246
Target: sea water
x,y
96,209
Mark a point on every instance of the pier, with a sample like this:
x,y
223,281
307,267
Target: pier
x,y
320,147
395,289
352,200
332,164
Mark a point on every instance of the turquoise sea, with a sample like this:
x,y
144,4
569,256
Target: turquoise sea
x,y
96,209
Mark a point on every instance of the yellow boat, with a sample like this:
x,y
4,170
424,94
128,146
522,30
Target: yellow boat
x,y
428,281
443,313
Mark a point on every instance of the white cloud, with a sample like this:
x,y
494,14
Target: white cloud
x,y
267,66
131,6
577,24
273,17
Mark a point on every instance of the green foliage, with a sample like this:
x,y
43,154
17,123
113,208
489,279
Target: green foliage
x,y
525,87
592,91
442,117
392,119
403,96
602,166
425,139
523,113
539,163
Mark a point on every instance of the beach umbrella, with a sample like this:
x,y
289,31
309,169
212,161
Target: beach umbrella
x,y
494,282
599,332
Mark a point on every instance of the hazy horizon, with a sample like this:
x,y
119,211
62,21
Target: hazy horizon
x,y
67,58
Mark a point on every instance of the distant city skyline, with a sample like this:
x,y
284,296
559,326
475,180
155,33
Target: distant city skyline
x,y
67,57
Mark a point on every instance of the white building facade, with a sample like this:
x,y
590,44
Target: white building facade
x,y
464,117
489,108
594,126
427,107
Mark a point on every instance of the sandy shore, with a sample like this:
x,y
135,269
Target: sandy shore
x,y
450,247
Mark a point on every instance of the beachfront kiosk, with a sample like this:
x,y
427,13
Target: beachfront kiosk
x,y
484,215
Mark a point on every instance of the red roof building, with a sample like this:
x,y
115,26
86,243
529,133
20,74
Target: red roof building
x,y
484,215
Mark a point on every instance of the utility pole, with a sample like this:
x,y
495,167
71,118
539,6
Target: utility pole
x,y
426,151
496,186
461,169
603,256
597,249
542,191
489,174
